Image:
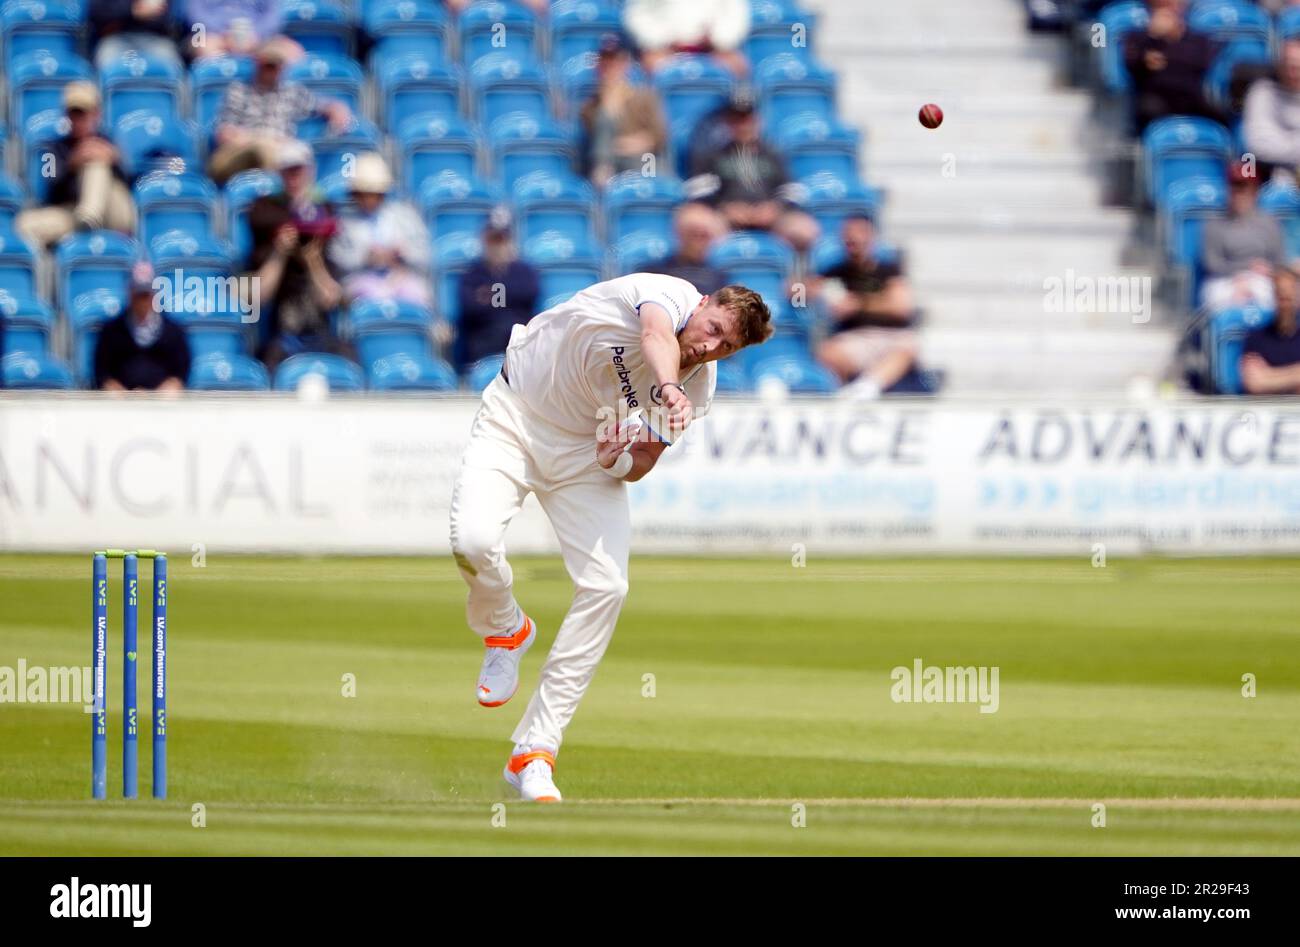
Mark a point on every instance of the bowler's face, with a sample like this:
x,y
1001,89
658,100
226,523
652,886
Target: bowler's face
x,y
710,334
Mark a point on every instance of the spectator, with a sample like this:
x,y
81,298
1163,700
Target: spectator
x,y
1239,252
622,123
496,293
1271,117
236,27
257,120
697,228
1270,359
89,189
144,27
142,349
1168,63
748,182
870,303
382,249
291,236
662,28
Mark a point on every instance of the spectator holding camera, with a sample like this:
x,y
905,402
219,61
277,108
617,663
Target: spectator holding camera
x,y
257,119
291,237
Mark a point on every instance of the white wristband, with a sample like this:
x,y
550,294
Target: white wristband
x,y
619,469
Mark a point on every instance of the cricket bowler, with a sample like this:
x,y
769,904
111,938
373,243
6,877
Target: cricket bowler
x,y
640,350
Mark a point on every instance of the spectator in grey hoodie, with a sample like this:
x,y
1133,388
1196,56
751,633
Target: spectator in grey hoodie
x,y
1271,118
1240,252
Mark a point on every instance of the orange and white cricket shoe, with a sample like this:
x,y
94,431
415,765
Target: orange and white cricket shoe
x,y
499,677
532,772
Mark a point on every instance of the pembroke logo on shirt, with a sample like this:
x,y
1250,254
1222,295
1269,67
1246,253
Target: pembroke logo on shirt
x,y
623,374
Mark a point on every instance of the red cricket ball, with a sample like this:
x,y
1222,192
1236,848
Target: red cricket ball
x,y
931,115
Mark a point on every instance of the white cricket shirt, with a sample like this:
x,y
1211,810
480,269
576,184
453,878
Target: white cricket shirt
x,y
569,362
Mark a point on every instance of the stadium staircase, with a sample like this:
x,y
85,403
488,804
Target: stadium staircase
x,y
1025,202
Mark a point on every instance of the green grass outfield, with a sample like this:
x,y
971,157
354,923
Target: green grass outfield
x,y
1119,685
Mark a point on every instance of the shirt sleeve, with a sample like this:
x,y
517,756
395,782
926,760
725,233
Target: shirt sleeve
x,y
666,291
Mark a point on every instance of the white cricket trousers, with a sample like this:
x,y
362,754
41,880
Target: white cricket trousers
x,y
513,452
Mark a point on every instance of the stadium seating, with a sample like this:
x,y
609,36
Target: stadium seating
x,y
457,205
30,25
578,25
453,253
406,26
1178,148
831,199
479,375
1288,23
149,141
634,202
1189,204
1227,334
175,201
637,249
217,371
36,82
139,83
330,75
789,84
503,83
522,144
433,145
1282,201
38,132
208,81
1118,20
414,84
566,265
17,267
86,317
489,26
240,191
92,260
32,370
798,372
28,324
778,28
732,377
321,27
339,373
1228,22
814,144
11,202
557,202
211,328
333,149
407,372
382,329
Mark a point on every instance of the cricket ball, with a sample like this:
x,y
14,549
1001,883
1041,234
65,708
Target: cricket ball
x,y
931,115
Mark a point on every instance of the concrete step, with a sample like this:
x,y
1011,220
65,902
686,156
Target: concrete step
x,y
980,191
1028,311
1064,106
993,220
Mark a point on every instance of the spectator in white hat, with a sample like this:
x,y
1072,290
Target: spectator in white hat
x,y
382,249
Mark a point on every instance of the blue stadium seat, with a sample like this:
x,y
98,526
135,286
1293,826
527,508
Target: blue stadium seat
x,y
201,255
333,150
433,145
17,267
414,84
412,372
578,25
523,144
217,371
691,87
457,205
86,316
11,202
1178,148
383,329
563,203
1282,201
208,81
320,27
503,83
492,26
150,142
801,375
137,83
777,28
1288,24
829,251
763,263
636,250
34,370
831,199
1227,22
91,260
733,379
479,375
241,190
28,324
36,82
406,26
38,132
340,373
332,76
1242,52
51,25
169,201
212,329
565,265
788,85
813,144
634,202
576,80
1189,204
452,254
1118,20
1228,329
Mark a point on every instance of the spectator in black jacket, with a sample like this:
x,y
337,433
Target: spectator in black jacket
x,y
1168,64
1270,357
747,181
143,26
697,227
88,189
142,349
497,292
